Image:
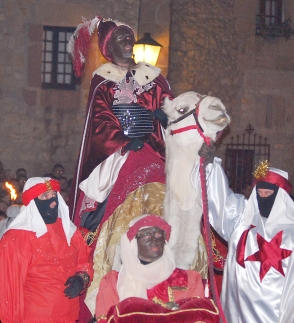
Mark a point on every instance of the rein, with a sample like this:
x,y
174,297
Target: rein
x,y
184,116
196,126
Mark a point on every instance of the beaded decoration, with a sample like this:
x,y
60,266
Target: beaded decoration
x,y
48,185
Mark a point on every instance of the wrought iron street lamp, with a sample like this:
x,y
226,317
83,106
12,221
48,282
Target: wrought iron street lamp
x,y
147,50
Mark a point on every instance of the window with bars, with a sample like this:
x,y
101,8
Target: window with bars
x,y
57,70
269,14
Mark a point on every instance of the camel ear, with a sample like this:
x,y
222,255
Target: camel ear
x,y
210,93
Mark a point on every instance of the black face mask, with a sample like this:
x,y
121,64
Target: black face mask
x,y
48,214
265,204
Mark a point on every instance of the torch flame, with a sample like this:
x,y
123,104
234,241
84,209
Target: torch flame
x,y
13,194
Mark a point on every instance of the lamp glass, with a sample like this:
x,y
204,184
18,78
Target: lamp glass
x,y
146,53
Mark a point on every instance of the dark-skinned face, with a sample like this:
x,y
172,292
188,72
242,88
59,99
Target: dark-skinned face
x,y
150,243
58,172
121,45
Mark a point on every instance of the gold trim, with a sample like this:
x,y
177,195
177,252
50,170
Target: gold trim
x,y
111,317
48,185
158,301
216,252
90,237
173,312
170,291
101,317
201,259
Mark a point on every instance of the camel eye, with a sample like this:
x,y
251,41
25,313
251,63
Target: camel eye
x,y
183,110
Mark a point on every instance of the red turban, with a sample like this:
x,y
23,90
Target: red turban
x,y
149,220
34,191
275,178
105,31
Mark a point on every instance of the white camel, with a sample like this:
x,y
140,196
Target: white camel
x,y
182,206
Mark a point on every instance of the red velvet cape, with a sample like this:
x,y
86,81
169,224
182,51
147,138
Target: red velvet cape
x,y
134,310
103,134
188,284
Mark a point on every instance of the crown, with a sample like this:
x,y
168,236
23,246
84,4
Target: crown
x,y
261,170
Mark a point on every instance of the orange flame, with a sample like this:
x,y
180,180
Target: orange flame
x,y
13,194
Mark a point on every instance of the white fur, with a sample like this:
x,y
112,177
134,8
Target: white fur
x,y
142,72
182,206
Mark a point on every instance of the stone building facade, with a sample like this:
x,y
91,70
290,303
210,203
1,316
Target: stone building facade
x,y
41,127
214,47
207,46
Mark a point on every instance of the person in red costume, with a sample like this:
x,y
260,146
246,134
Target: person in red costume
x,y
45,262
149,282
124,119
120,169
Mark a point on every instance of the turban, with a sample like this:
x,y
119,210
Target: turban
x,y
272,175
134,278
105,31
80,42
148,220
38,185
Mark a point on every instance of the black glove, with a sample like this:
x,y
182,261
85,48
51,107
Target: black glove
x,y
75,284
160,115
207,152
135,144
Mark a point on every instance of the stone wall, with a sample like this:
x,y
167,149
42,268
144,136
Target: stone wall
x,y
154,17
214,48
38,127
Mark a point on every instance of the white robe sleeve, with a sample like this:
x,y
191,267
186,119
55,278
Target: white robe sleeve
x,y
102,179
226,209
287,299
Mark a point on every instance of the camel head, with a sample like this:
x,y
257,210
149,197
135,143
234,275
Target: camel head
x,y
211,113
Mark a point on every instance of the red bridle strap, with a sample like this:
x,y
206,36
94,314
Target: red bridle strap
x,y
193,127
174,132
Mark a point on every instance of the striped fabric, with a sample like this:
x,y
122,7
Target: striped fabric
x,y
135,120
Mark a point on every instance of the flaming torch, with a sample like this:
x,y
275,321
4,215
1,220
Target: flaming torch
x,y
13,194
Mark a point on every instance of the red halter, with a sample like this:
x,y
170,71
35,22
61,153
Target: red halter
x,y
196,126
